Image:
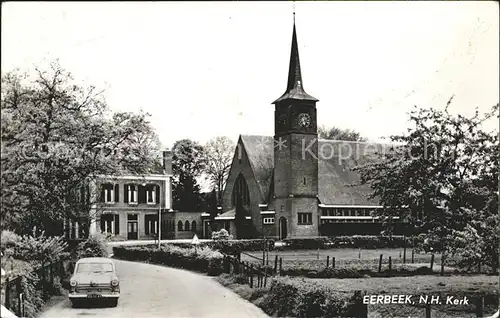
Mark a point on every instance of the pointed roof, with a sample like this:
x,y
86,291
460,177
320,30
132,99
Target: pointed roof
x,y
294,88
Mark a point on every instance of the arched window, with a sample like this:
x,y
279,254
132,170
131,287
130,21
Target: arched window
x,y
193,226
240,189
179,226
186,226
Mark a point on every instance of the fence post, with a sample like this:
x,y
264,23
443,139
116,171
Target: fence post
x,y
480,306
7,293
413,255
21,305
265,277
333,262
380,263
404,251
428,311
51,274
327,261
275,264
432,261
390,264
281,265
251,276
19,296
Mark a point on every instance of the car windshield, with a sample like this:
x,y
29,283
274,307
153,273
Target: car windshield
x,y
94,268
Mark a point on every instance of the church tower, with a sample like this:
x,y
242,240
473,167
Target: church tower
x,y
296,155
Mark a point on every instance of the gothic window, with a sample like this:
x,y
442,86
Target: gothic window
x,y
193,226
186,226
240,189
179,226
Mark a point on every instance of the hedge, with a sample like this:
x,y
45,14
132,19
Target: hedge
x,y
287,297
204,260
231,246
356,241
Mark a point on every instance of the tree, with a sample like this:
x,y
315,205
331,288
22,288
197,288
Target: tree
x,y
335,133
219,152
188,162
57,137
443,178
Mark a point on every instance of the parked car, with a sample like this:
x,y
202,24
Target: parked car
x,y
94,278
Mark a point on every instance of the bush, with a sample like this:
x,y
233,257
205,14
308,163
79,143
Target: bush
x,y
36,250
220,235
203,259
298,298
232,246
94,246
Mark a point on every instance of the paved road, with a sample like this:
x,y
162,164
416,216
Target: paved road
x,y
157,291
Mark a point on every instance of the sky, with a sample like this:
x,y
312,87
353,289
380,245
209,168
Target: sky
x,y
213,69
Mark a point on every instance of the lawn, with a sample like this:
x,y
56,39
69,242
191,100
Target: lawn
x,y
470,286
343,257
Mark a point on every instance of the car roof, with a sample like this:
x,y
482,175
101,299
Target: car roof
x,y
95,260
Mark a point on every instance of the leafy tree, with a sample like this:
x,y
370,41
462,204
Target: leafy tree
x,y
219,152
188,162
57,137
335,133
443,178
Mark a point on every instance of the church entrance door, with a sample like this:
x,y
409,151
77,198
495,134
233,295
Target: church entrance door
x,y
283,228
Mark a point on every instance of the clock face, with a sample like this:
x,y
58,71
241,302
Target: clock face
x,y
304,120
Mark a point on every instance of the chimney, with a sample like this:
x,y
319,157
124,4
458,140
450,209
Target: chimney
x,y
167,161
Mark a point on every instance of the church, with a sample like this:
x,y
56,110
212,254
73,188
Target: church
x,y
293,184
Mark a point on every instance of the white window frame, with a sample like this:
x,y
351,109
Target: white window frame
x,y
270,220
130,194
151,194
112,194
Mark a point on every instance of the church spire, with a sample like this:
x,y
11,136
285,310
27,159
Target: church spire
x,y
294,88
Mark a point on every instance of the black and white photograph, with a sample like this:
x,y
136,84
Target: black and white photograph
x,y
250,159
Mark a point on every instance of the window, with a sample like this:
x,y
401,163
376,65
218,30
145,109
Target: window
x,y
186,226
151,221
110,224
94,267
305,218
193,226
240,190
353,212
268,220
132,217
331,212
179,226
151,191
324,212
108,193
131,193
345,213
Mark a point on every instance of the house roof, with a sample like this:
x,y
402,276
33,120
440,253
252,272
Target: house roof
x,y
337,182
260,152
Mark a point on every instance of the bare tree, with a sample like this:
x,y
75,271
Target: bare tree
x,y
335,133
219,153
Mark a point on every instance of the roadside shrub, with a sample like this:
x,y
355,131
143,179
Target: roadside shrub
x,y
34,249
202,259
232,246
220,235
94,246
298,298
